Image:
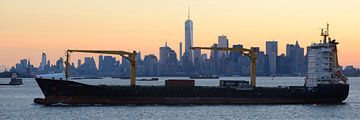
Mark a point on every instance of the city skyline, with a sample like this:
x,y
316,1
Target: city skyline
x,y
31,35
294,63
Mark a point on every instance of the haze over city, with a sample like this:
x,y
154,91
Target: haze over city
x,y
28,28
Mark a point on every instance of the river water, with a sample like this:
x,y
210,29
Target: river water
x,y
16,102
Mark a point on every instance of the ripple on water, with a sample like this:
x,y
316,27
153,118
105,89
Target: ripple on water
x,y
16,102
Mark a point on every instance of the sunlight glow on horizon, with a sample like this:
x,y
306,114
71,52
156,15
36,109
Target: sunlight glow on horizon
x,y
28,28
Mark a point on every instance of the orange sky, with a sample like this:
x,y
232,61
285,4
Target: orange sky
x,y
28,28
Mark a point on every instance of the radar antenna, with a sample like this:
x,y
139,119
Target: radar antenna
x,y
325,34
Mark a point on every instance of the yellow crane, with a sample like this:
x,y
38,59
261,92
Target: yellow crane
x,y
127,55
251,53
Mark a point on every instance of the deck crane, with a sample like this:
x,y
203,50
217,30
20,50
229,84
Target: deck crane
x,y
251,53
127,55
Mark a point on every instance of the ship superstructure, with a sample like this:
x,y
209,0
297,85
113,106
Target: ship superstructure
x,y
323,65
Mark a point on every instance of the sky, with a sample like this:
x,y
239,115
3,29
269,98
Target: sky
x,y
30,27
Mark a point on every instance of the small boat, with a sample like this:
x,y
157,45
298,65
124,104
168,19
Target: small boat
x,y
93,77
77,78
151,79
14,80
124,77
204,77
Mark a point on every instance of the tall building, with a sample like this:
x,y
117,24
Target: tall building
x,y
89,66
203,57
22,66
108,65
59,67
101,63
281,66
138,57
223,42
180,52
271,53
214,60
140,70
43,62
79,63
197,54
260,64
125,66
171,63
151,66
24,63
187,64
235,56
259,60
197,61
295,59
164,52
214,53
189,35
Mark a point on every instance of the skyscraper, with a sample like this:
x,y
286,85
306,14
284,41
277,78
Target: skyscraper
x,y
271,53
108,64
214,53
189,35
43,62
151,66
89,66
163,54
164,51
197,61
197,54
223,42
79,63
59,65
295,58
235,56
180,51
171,63
214,60
22,66
101,63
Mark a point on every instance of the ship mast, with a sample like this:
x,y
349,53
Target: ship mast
x,y
67,65
325,34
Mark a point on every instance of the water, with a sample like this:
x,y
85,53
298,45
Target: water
x,y
16,102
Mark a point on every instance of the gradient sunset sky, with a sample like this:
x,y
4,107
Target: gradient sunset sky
x,y
30,27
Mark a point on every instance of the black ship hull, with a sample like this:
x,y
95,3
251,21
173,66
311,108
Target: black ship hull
x,y
74,93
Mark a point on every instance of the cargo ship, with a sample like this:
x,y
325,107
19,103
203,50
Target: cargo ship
x,y
324,84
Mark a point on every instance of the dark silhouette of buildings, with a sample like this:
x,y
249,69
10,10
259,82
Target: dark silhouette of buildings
x,y
191,62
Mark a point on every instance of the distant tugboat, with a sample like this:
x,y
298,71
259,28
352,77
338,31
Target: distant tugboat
x,y
151,79
14,80
204,77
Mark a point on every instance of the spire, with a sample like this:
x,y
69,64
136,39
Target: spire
x,y
165,43
297,44
189,12
29,62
